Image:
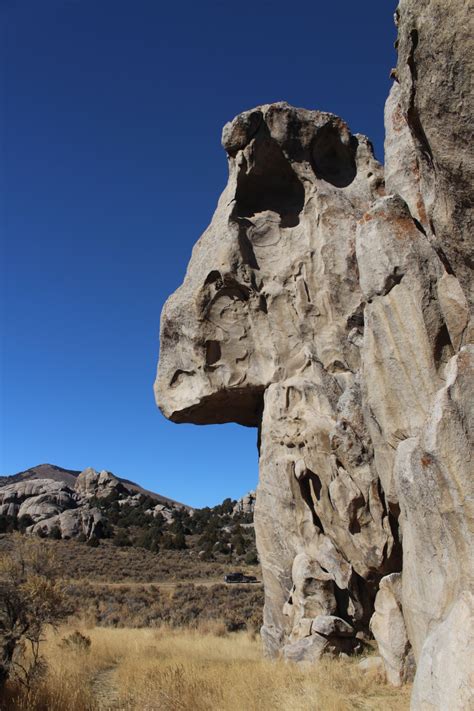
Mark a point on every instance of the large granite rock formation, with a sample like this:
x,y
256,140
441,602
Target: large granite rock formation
x,y
39,499
65,506
91,484
245,505
53,505
332,312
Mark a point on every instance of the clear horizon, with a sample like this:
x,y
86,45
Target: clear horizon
x,y
113,168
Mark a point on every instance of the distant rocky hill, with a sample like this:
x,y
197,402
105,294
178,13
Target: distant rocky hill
x,y
69,477
42,471
90,506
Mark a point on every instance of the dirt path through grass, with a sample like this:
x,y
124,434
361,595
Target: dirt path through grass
x,y
105,688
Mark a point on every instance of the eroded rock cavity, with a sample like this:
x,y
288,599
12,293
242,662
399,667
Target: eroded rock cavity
x,y
325,309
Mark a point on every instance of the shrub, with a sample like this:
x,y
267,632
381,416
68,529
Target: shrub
x,y
23,522
55,533
7,524
251,558
121,538
77,641
31,597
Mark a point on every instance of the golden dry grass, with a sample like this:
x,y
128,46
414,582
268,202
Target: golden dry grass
x,y
197,670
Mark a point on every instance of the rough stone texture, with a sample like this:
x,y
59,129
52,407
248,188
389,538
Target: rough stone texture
x,y
333,315
388,627
72,523
245,505
270,316
90,483
55,505
39,499
445,675
434,95
434,476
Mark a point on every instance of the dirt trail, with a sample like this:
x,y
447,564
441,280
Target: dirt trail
x,y
170,584
105,689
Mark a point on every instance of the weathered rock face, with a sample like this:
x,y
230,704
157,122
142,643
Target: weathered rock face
x,y
333,315
270,317
434,99
83,520
39,499
245,505
389,629
53,505
90,483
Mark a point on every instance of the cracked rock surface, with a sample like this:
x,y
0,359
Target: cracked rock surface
x,y
330,310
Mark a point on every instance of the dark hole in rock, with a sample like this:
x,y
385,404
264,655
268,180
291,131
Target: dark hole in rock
x,y
443,256
395,560
212,277
235,291
245,246
179,375
392,280
310,485
333,160
443,348
343,600
271,184
354,526
419,226
356,319
213,352
311,586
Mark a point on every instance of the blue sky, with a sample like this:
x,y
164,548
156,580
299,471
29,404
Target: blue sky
x,y
111,114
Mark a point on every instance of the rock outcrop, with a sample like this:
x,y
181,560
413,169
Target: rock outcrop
x,y
90,484
55,507
245,505
51,505
83,520
70,508
389,629
331,310
39,499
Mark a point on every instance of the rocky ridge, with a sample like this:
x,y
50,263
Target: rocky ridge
x,y
100,508
69,477
328,304
68,504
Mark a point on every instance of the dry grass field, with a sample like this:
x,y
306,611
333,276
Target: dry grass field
x,y
206,669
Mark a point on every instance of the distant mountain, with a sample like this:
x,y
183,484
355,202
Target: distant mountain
x,y
43,471
69,476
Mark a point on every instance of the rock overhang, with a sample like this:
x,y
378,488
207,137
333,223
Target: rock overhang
x,y
282,162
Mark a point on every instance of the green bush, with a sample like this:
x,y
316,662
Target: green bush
x,y
251,558
55,533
